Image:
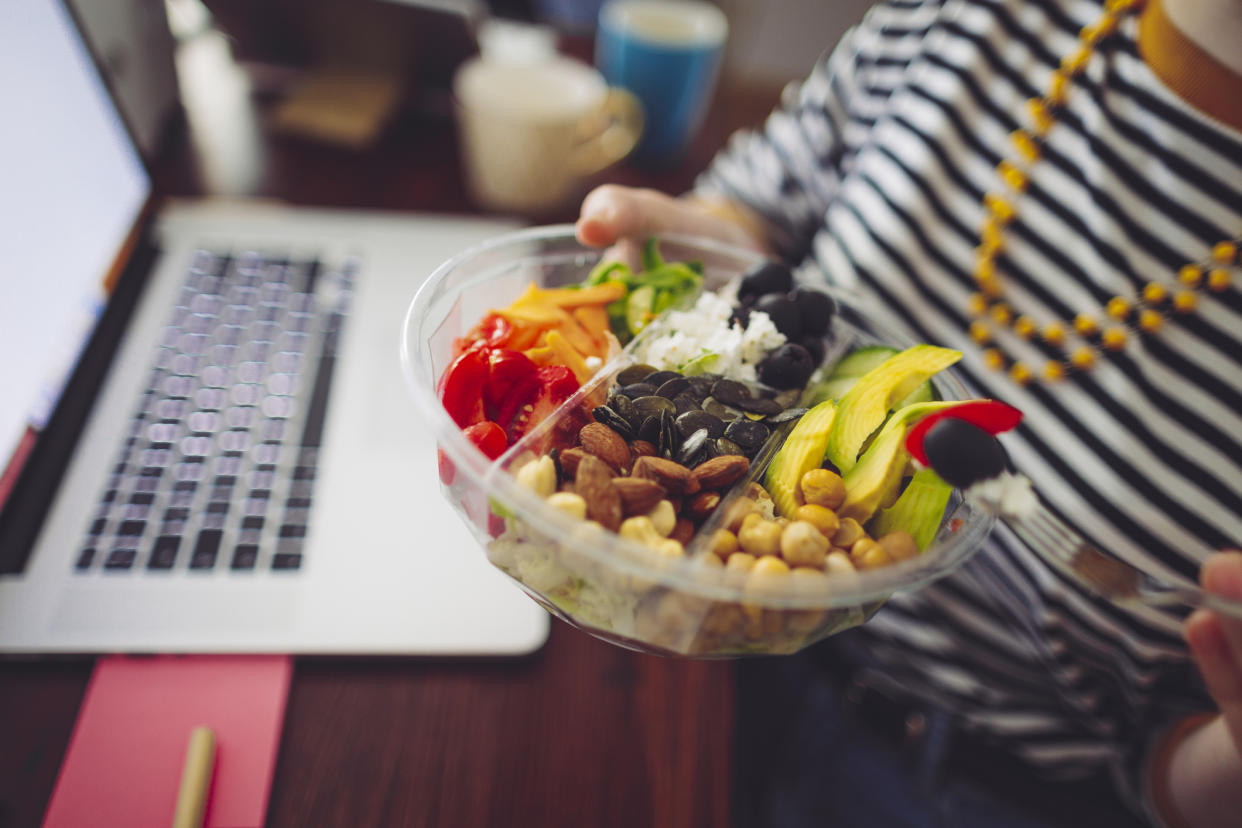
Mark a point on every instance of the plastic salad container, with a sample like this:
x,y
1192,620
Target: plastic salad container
x,y
615,587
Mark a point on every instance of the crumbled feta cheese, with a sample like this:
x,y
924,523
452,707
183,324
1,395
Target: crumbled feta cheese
x,y
1009,495
707,330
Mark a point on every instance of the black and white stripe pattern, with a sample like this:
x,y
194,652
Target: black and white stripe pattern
x,y
874,173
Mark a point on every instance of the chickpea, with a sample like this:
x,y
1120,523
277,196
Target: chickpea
x,y
723,544
570,503
899,545
823,518
838,563
874,557
760,537
848,533
740,562
823,487
769,565
663,517
802,544
862,546
708,560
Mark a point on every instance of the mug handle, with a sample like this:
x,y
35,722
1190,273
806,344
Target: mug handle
x,y
608,134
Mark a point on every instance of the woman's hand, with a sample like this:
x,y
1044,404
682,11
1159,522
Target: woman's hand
x,y
1216,642
623,217
1203,778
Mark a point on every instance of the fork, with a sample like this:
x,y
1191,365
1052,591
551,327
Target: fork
x,y
1109,577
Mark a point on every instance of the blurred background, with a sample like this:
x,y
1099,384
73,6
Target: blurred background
x,y
211,86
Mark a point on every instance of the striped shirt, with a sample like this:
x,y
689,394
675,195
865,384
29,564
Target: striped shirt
x,y
874,171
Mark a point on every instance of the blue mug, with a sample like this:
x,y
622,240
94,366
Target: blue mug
x,y
668,54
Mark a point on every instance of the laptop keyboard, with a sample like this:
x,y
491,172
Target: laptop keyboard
x,y
217,470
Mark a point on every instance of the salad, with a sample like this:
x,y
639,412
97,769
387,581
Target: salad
x,y
724,434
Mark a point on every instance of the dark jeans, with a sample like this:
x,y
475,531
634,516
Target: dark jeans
x,y
813,750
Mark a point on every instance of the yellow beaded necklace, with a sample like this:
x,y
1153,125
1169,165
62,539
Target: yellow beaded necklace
x,y
1109,329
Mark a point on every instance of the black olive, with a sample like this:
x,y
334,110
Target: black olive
x,y
962,453
766,277
741,316
784,313
814,345
788,366
816,309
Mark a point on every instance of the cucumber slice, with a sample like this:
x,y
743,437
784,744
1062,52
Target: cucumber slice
x,y
861,360
854,365
638,308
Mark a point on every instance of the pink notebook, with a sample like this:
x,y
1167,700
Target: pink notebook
x,y
124,761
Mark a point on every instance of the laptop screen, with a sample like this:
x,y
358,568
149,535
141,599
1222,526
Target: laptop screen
x,y
72,186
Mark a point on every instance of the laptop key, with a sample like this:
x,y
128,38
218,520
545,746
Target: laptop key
x,y
85,558
206,549
120,559
287,560
164,555
245,556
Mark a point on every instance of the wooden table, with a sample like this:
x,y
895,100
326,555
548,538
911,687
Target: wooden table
x,y
580,734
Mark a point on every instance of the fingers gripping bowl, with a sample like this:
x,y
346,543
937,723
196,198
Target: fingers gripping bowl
x,y
524,493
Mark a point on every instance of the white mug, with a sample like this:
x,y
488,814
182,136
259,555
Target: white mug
x,y
532,133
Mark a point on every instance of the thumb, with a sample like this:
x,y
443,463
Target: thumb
x,y
611,213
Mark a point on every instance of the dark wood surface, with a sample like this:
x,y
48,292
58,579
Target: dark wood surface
x,y
580,734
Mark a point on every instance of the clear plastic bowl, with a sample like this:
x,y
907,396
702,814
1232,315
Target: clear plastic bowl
x,y
610,587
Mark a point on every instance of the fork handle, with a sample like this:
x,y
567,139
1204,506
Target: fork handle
x,y
1194,597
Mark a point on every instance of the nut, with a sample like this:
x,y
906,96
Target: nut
x,y
638,495
641,448
702,504
539,476
899,545
606,444
823,487
683,531
802,544
664,518
823,518
721,472
569,459
569,503
673,477
594,484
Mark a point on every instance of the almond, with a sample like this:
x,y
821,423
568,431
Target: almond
x,y
641,448
569,459
673,477
702,504
639,495
721,472
683,531
606,444
594,484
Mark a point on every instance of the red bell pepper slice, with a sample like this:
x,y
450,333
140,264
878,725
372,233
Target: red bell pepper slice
x,y
992,416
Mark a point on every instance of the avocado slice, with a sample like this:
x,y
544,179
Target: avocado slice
x,y
877,474
845,373
864,406
802,451
918,510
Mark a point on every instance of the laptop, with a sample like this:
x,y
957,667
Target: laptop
x,y
206,441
